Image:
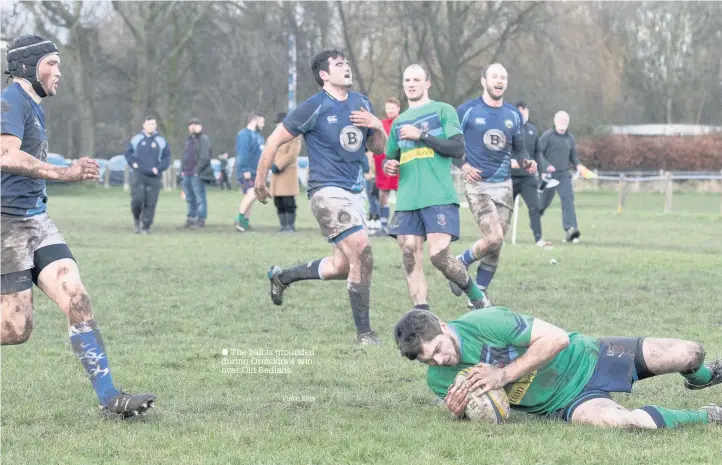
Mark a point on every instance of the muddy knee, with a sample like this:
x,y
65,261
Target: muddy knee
x,y
75,303
695,356
409,255
366,262
17,318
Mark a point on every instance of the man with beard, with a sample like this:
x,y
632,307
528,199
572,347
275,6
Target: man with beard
x,y
548,372
422,142
249,145
33,250
336,124
492,131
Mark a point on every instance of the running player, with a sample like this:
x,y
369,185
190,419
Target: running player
x,y
546,371
33,250
492,130
422,142
337,124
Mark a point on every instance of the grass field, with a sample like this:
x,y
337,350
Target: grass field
x,y
169,303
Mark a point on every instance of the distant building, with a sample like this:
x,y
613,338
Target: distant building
x,y
664,130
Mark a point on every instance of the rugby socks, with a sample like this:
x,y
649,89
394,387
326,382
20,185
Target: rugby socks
x,y
311,270
484,275
467,258
666,418
473,291
360,296
699,377
90,350
422,307
384,217
242,219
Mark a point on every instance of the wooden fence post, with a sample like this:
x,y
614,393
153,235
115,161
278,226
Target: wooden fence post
x,y
622,194
106,177
668,192
595,180
720,191
126,178
661,183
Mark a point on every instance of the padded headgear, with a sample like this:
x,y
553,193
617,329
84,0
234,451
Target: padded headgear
x,y
24,54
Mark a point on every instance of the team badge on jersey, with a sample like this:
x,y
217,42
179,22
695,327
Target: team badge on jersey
x,y
508,123
332,119
153,145
494,140
351,138
480,121
441,219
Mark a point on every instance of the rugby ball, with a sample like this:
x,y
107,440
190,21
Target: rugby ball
x,y
490,407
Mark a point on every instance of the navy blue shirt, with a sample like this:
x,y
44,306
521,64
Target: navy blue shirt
x,y
491,133
24,119
336,148
148,152
249,146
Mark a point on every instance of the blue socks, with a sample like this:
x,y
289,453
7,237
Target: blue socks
x,y
467,258
384,216
90,350
484,275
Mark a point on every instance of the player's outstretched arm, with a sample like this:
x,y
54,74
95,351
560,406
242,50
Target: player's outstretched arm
x,y
279,137
15,161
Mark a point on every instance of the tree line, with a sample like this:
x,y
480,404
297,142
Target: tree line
x,y
603,62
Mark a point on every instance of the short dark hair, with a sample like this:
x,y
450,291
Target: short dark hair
x,y
253,115
320,63
413,329
521,103
483,72
148,118
394,100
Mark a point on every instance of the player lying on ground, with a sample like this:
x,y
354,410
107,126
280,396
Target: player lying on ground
x,y
33,250
549,372
337,124
422,142
492,130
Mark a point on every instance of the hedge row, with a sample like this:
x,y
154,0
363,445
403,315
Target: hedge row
x,y
672,153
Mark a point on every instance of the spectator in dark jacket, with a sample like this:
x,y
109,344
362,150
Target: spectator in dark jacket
x,y
558,147
526,184
249,145
196,170
148,155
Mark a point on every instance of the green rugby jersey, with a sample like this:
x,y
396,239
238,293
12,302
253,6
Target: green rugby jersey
x,y
498,336
424,175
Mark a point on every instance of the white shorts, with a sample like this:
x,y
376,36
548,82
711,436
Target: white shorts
x,y
337,210
501,193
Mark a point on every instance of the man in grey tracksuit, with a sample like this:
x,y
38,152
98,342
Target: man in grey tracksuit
x,y
558,147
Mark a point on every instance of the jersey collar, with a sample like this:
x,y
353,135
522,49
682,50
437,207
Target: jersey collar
x,y
461,341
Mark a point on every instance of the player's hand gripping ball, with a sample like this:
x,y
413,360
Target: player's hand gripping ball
x,y
491,407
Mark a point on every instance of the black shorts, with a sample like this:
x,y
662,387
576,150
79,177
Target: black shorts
x,y
619,365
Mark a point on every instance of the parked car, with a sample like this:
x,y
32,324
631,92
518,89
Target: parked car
x,y
117,165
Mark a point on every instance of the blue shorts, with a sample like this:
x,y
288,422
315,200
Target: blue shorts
x,y
434,219
619,365
247,184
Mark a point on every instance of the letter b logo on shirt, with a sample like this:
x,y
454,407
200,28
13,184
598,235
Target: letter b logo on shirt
x,y
351,138
494,140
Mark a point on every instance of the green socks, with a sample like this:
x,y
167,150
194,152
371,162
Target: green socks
x,y
699,377
473,291
241,219
666,418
